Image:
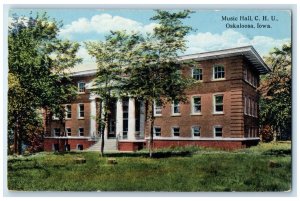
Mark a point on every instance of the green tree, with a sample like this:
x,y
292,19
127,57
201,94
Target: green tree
x,y
112,58
276,93
155,71
38,61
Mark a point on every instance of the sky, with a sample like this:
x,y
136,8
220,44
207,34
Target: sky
x,y
211,31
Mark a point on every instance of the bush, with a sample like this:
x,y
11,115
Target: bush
x,y
267,134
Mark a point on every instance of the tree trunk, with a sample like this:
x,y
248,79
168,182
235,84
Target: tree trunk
x,y
103,128
16,138
150,107
151,137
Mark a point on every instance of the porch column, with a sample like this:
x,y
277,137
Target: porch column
x,y
93,116
119,119
142,119
131,119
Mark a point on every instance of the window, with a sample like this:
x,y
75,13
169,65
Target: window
x,y
218,131
245,105
55,147
55,117
56,131
80,110
255,110
248,106
80,147
80,131
196,131
218,104
197,73
81,87
68,131
67,147
196,105
157,108
219,72
175,108
176,131
157,131
68,112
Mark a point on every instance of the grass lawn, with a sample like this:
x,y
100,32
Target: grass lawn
x,y
266,167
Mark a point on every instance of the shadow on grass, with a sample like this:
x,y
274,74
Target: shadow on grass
x,y
278,152
154,155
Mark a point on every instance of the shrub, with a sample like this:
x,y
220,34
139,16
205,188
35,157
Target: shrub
x,y
267,134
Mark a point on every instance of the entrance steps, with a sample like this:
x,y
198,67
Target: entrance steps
x,y
110,145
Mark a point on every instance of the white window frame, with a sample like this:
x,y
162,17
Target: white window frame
x,y
193,104
68,112
154,131
173,127
173,107
155,110
54,117
54,132
214,71
79,111
218,126
67,133
214,103
200,73
79,131
79,89
193,131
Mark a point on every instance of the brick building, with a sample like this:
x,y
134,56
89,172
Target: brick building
x,y
222,110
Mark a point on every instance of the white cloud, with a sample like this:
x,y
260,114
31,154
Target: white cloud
x,y
202,42
103,24
83,53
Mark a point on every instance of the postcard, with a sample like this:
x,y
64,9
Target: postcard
x,y
149,100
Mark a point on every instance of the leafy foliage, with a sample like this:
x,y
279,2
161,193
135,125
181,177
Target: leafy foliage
x,y
276,91
155,71
112,57
38,62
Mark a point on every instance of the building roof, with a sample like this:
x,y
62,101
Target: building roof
x,y
248,51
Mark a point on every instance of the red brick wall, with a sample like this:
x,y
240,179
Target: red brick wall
x,y
231,88
130,146
74,123
48,143
251,92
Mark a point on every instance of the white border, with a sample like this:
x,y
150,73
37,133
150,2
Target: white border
x,y
213,4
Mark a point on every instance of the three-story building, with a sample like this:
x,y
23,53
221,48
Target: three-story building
x,y
222,109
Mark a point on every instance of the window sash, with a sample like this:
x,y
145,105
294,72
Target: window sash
x,y
81,131
176,131
196,104
196,131
219,103
56,131
157,131
197,73
219,72
68,112
69,131
218,131
157,108
81,87
81,110
176,107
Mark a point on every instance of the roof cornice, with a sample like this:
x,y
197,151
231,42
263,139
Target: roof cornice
x,y
248,51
